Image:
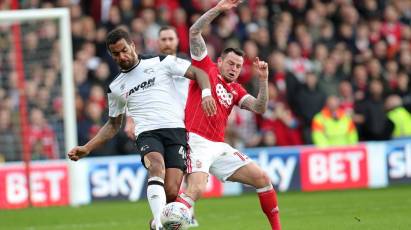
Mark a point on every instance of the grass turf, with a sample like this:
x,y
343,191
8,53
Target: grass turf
x,y
387,209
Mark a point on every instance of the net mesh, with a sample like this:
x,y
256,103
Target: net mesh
x,y
30,80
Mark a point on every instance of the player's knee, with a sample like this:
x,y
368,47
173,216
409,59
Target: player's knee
x,y
155,166
261,179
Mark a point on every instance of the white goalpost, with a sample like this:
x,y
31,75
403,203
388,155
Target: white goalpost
x,y
65,59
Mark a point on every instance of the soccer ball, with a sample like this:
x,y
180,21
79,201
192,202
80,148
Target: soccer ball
x,y
175,216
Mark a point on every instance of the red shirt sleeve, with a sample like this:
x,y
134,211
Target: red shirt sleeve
x,y
205,64
241,92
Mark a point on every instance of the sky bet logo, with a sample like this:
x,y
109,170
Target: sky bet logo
x,y
399,164
143,85
116,180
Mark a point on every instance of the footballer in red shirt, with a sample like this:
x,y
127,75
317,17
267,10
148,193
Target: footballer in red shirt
x,y
207,152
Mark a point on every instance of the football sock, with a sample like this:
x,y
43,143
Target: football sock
x,y
269,205
156,198
186,200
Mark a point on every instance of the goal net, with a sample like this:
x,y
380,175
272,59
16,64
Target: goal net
x,y
37,112
36,89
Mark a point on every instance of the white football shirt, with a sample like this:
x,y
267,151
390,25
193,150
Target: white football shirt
x,y
149,93
181,83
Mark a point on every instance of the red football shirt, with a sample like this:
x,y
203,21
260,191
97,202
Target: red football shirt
x,y
226,96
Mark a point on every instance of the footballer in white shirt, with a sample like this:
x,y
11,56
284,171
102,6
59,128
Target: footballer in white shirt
x,y
146,88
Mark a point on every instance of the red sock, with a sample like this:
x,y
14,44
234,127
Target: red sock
x,y
186,200
268,202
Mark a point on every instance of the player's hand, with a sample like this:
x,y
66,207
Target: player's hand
x,y
261,68
78,152
209,105
227,4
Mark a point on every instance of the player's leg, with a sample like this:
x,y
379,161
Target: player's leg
x,y
252,174
151,150
196,185
199,158
175,141
172,183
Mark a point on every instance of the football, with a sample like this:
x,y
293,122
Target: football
x,y
175,216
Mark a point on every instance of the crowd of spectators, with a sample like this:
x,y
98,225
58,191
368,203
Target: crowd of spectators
x,y
345,62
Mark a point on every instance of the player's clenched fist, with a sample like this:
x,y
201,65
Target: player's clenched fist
x,y
209,106
228,4
78,152
261,68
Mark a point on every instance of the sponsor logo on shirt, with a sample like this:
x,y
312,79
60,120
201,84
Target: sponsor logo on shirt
x,y
143,85
225,98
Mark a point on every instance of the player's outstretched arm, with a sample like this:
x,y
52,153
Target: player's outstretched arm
x,y
104,134
208,103
197,44
259,104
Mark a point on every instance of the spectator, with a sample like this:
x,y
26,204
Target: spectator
x,y
332,126
296,63
403,90
9,138
399,116
372,120
41,136
243,130
329,81
309,101
279,125
346,96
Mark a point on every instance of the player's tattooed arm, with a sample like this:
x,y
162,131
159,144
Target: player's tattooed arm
x,y
197,44
259,104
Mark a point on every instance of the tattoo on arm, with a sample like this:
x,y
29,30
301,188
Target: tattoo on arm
x,y
259,104
197,43
204,20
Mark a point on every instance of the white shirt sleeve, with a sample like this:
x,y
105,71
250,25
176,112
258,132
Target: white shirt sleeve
x,y
176,66
116,105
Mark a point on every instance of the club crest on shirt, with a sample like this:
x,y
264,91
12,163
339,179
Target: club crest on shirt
x,y
198,164
225,98
149,71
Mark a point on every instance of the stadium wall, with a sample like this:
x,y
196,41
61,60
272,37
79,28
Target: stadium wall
x,y
304,168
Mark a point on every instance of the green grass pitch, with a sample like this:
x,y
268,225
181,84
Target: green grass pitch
x,y
388,209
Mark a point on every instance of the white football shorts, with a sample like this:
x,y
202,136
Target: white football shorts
x,y
217,158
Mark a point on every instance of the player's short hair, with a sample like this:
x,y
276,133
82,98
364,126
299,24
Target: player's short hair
x,y
117,34
167,28
228,50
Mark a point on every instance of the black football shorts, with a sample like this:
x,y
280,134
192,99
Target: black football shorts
x,y
170,142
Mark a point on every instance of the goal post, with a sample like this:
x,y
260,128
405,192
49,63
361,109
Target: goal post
x,y
9,18
63,16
